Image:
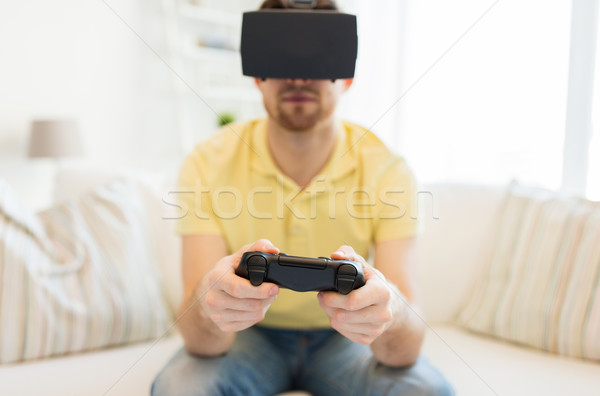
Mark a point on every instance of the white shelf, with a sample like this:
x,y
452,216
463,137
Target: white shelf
x,y
192,51
204,38
209,15
233,94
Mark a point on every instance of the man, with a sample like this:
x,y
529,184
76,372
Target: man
x,y
303,182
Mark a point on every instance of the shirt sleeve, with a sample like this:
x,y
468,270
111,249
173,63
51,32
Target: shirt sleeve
x,y
194,201
396,207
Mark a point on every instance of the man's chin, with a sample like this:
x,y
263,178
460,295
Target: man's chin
x,y
298,125
299,121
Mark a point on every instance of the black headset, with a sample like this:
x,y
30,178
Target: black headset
x,y
299,43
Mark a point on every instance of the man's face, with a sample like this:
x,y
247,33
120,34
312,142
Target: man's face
x,y
299,105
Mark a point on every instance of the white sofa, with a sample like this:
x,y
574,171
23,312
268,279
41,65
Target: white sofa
x,y
459,223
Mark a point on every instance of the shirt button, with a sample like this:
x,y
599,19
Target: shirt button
x,y
296,230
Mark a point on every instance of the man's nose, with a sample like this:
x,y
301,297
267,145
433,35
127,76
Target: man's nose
x,y
298,81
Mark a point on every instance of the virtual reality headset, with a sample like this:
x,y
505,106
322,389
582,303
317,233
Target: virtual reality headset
x,y
299,44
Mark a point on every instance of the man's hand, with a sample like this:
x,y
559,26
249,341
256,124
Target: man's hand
x,y
232,302
365,313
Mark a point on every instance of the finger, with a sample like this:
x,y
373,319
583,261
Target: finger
x,y
362,316
346,252
232,315
221,301
328,310
236,326
373,315
239,287
349,302
359,334
371,272
262,245
355,328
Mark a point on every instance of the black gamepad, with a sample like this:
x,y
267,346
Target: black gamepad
x,y
301,273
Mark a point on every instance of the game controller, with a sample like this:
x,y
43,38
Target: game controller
x,y
301,273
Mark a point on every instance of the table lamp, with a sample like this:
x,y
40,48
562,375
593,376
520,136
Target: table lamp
x,y
55,139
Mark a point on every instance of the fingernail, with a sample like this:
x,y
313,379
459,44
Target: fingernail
x,y
274,290
339,253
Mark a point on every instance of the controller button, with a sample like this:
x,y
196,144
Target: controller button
x,y
256,277
347,269
345,285
346,276
257,268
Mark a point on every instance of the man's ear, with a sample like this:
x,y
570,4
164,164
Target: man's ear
x,y
348,83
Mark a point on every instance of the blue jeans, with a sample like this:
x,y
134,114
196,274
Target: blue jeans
x,y
269,361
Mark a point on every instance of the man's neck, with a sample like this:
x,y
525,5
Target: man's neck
x,y
301,155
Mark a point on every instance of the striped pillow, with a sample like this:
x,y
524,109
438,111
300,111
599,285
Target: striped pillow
x,y
80,276
542,285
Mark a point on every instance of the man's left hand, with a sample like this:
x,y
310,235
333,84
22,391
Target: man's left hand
x,y
365,313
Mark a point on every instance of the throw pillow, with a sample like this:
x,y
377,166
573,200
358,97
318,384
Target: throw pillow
x,y
541,287
79,276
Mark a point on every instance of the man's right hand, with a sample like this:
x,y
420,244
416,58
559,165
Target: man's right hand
x,y
232,302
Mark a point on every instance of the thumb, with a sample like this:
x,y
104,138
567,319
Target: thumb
x,y
262,245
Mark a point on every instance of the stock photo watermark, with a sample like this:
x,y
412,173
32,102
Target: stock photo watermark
x,y
268,203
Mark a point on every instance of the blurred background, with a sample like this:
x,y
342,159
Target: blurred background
x,y
469,91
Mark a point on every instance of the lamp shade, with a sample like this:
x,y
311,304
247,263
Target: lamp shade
x,y
54,139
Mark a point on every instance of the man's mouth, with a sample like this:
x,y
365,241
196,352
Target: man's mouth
x,y
298,97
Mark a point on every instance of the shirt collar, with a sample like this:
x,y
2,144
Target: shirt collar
x,y
341,162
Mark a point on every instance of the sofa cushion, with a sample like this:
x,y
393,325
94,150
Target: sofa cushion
x,y
124,371
74,180
479,365
458,221
541,286
79,276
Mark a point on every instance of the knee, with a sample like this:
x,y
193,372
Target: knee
x,y
430,388
419,380
167,383
437,386
171,382
177,378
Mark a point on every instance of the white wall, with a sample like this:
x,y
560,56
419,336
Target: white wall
x,y
490,109
69,58
493,107
371,101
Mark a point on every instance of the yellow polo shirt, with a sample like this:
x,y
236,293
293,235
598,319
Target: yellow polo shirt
x,y
230,186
